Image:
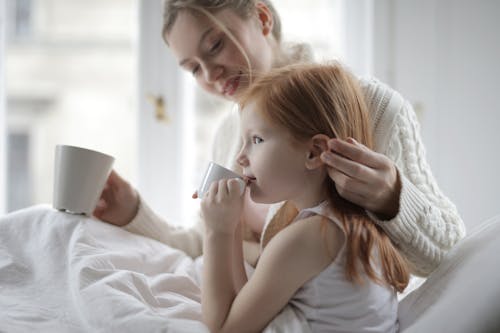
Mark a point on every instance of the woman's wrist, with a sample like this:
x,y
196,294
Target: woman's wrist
x,y
134,209
390,208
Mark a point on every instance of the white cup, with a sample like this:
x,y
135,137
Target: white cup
x,y
216,172
79,178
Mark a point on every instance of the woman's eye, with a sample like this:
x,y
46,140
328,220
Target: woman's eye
x,y
256,140
216,46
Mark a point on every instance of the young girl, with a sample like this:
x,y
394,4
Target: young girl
x,y
319,252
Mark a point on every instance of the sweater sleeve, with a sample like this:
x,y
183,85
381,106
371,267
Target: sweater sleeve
x,y
147,223
427,224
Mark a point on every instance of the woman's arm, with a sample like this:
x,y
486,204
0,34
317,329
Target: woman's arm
x,y
121,205
427,224
147,223
395,184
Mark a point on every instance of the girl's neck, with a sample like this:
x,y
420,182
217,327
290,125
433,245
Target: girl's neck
x,y
310,197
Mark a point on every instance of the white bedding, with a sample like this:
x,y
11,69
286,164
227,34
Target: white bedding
x,y
67,273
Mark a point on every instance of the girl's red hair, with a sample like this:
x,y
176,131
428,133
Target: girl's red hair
x,y
310,99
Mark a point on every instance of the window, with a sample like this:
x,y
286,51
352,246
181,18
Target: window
x,y
71,82
19,19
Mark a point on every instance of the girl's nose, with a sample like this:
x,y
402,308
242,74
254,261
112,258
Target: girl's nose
x,y
242,159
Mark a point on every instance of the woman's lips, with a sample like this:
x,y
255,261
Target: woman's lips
x,y
231,85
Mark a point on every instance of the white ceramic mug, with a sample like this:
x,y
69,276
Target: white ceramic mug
x,y
216,172
79,178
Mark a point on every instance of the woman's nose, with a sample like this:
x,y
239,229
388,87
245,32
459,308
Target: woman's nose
x,y
213,73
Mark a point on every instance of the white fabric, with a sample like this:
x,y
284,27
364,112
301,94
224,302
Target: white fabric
x,y
331,303
68,273
463,294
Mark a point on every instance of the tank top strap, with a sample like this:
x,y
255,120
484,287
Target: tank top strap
x,y
322,209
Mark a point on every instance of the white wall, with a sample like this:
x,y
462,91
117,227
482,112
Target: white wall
x,y
443,56
3,145
357,43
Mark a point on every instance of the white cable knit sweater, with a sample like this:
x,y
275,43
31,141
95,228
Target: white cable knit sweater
x,y
427,224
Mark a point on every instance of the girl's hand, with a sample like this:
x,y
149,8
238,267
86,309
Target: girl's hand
x,y
364,177
222,205
119,201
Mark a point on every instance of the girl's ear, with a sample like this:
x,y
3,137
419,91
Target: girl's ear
x,y
317,145
265,17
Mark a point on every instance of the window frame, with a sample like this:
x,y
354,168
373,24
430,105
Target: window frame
x,y
3,127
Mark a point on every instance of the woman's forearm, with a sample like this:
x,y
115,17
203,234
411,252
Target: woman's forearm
x,y
148,223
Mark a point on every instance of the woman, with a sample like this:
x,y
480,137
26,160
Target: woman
x,y
223,43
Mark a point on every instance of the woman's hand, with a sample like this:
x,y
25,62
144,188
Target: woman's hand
x,y
222,205
119,201
364,177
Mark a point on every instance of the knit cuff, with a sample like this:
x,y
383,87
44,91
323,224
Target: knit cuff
x,y
412,204
145,221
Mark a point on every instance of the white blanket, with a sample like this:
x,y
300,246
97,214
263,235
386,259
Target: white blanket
x,y
67,273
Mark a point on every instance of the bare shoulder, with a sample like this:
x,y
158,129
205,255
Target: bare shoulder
x,y
316,236
312,243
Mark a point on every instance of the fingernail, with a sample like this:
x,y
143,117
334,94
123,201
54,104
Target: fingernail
x,y
351,140
326,157
332,143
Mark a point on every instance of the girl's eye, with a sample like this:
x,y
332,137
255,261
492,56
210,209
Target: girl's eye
x,y
195,70
256,140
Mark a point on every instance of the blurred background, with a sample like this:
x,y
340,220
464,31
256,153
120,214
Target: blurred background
x,y
97,74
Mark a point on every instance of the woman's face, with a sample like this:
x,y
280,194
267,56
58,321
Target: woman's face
x,y
218,65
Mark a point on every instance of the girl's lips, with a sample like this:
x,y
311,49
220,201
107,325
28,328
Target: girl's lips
x,y
231,85
249,179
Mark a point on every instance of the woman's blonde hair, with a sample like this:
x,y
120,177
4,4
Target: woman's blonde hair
x,y
287,53
310,99
244,8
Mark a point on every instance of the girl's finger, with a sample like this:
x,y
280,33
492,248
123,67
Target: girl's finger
x,y
212,190
223,190
236,186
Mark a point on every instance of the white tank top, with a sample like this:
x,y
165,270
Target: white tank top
x,y
331,303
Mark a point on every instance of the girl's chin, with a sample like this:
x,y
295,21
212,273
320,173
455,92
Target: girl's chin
x,y
261,198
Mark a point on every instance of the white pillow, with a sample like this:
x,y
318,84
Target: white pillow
x,y
463,293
